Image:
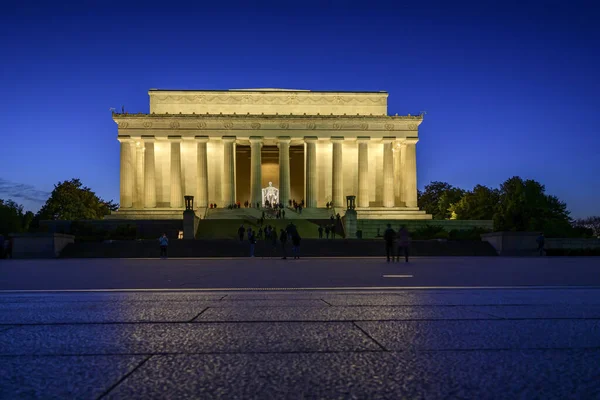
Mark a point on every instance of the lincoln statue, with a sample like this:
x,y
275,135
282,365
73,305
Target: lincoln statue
x,y
229,146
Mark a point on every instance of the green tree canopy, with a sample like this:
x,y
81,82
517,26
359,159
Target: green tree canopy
x,y
437,198
524,206
70,200
592,223
11,217
479,203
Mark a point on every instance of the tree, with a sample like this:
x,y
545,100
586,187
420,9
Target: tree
x,y
479,203
437,198
70,200
524,206
447,199
11,217
592,223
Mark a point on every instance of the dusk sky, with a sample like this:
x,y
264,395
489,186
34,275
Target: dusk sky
x,y
510,88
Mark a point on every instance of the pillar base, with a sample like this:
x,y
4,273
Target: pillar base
x,y
190,224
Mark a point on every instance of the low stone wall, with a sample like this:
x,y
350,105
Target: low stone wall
x,y
39,245
143,228
264,248
371,228
572,243
525,243
513,243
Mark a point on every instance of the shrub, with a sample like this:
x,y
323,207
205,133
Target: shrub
x,y
427,232
441,235
469,234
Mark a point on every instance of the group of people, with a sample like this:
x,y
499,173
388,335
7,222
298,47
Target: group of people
x,y
270,234
328,229
297,206
396,243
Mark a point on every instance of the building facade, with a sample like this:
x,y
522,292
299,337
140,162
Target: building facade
x,y
224,147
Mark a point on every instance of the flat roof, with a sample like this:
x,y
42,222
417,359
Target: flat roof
x,y
266,90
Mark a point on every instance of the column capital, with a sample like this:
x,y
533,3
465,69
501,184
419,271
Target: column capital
x,y
337,139
284,139
148,138
256,139
388,139
310,139
125,139
201,139
174,138
410,140
363,139
228,139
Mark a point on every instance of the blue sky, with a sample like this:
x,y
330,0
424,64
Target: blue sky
x,y
510,88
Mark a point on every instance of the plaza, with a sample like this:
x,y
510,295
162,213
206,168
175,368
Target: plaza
x,y
474,327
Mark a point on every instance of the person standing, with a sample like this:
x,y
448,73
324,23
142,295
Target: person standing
x,y
252,241
7,248
164,243
403,244
274,239
241,231
390,237
296,245
283,239
327,231
541,240
320,231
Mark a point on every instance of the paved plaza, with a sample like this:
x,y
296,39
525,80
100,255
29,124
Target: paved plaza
x,y
348,337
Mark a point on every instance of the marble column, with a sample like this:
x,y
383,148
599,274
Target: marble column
x,y
227,188
202,173
176,200
284,170
410,172
127,173
337,172
149,176
401,178
363,172
388,173
255,170
311,172
138,196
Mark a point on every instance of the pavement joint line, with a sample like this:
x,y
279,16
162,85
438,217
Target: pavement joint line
x,y
14,325
406,351
326,302
369,336
341,288
488,314
398,276
124,377
223,297
199,314
262,258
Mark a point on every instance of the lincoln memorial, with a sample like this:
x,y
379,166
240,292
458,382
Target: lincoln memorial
x,y
229,146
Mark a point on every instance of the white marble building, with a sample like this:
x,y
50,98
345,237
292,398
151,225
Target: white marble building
x,y
226,146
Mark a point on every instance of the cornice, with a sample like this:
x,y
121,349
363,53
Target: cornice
x,y
257,123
